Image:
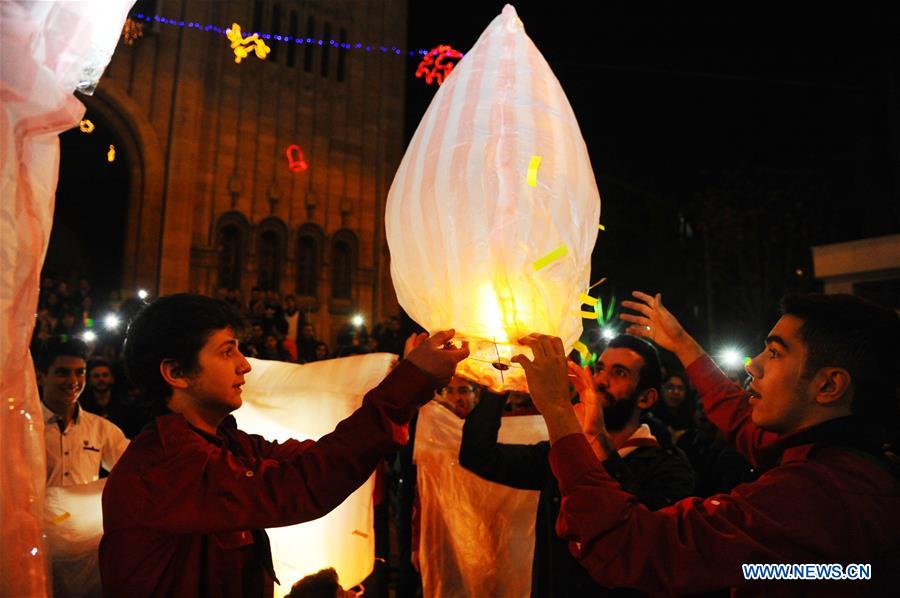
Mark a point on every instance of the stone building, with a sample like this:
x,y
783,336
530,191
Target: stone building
x,y
212,200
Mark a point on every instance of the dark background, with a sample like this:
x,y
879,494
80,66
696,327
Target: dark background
x,y
726,140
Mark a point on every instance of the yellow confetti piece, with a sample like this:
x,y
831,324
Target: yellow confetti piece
x,y
601,281
587,299
111,154
60,518
601,227
551,257
581,348
532,170
589,315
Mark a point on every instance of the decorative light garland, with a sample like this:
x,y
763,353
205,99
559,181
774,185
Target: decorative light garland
x,y
311,41
131,31
299,163
437,65
242,45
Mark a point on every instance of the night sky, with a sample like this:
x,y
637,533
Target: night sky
x,y
765,125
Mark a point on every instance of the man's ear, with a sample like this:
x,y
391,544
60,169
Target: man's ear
x,y
172,374
831,385
648,398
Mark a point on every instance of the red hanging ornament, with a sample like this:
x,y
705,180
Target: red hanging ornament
x,y
296,161
437,64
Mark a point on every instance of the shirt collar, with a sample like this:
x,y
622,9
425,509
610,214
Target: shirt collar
x,y
51,418
850,431
172,425
643,431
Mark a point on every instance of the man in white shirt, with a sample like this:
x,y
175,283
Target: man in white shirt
x,y
77,442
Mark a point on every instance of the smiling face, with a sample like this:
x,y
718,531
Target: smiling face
x,y
215,387
781,396
63,382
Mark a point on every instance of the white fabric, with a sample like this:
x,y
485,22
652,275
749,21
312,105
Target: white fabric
x,y
48,49
464,225
477,537
285,400
74,526
75,456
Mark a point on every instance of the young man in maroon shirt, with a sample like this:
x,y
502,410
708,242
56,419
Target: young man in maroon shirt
x,y
813,422
184,510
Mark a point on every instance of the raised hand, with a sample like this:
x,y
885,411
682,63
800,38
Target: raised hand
x,y
548,383
657,323
584,383
435,355
547,375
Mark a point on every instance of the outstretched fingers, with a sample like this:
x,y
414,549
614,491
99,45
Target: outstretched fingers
x,y
442,337
534,342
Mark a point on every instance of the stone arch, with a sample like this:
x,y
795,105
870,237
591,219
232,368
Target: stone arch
x,y
146,168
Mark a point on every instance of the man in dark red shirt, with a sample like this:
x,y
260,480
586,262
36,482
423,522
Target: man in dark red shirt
x,y
813,422
184,510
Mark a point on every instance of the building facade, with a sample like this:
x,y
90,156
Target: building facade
x,y
269,173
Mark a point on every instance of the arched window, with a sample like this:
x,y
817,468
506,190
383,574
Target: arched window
x,y
270,246
309,260
343,264
230,243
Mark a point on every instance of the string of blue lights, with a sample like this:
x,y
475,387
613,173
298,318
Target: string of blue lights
x,y
285,38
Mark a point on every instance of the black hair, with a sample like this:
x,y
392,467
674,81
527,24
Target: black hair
x,y
323,584
174,327
861,337
59,347
97,363
651,374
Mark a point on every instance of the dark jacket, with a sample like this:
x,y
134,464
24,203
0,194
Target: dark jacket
x,y
658,477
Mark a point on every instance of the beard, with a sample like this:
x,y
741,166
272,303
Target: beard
x,y
617,414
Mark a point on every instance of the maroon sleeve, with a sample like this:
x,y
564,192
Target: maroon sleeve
x,y
695,545
200,488
726,406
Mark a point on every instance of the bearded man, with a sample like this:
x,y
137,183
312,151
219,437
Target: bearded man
x,y
625,383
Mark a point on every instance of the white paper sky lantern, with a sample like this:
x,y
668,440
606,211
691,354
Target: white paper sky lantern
x,y
493,213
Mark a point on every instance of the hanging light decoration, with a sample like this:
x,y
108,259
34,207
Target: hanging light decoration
x,y
437,64
131,31
296,161
242,46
